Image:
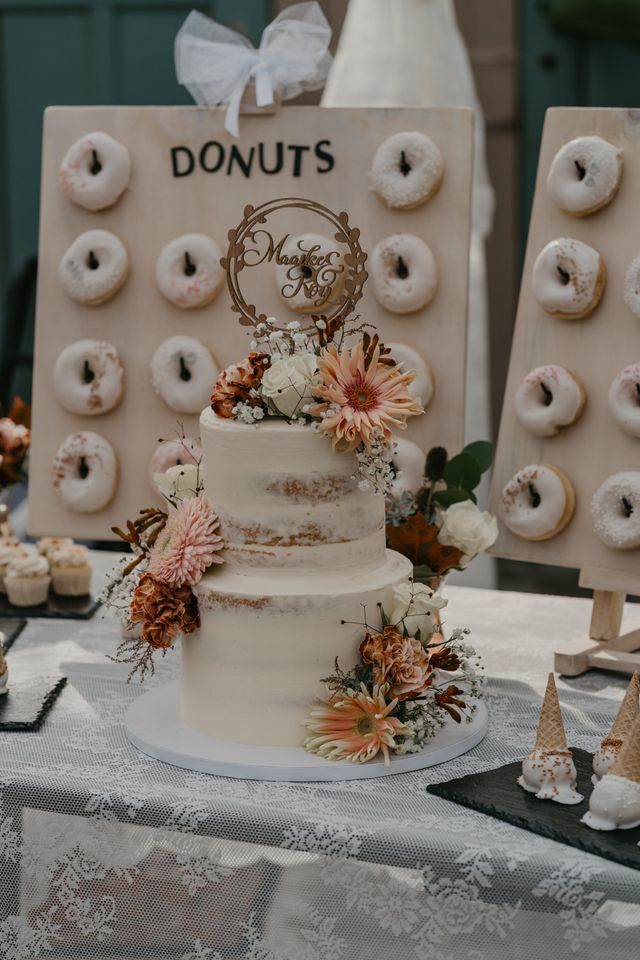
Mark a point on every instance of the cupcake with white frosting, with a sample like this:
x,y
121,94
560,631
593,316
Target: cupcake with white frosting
x,y
8,551
47,545
27,580
70,570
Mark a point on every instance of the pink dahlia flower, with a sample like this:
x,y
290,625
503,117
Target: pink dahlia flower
x,y
187,545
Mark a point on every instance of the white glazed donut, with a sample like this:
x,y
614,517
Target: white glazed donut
x,y
313,274
407,170
538,502
172,453
423,386
95,171
94,267
409,461
548,399
632,287
569,278
585,175
85,472
615,511
188,270
88,377
624,399
183,374
403,273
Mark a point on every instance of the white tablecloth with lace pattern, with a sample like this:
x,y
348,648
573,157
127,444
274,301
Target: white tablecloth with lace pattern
x,y
105,853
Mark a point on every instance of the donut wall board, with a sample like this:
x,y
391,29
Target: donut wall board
x,y
580,312
188,176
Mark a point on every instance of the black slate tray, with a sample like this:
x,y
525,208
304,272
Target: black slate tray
x,y
56,608
28,701
11,628
497,794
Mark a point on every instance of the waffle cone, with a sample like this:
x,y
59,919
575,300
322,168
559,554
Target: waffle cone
x,y
627,763
628,710
551,736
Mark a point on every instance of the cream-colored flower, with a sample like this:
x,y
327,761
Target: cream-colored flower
x,y
180,482
414,605
287,383
468,529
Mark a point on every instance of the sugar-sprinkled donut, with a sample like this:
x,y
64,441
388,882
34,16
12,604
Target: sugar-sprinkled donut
x,y
548,399
632,287
188,271
313,274
172,453
183,373
409,460
585,175
407,170
538,502
85,472
94,267
569,278
403,273
95,171
624,399
88,377
615,511
423,386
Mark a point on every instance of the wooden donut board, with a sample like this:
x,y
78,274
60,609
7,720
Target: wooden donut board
x,y
595,349
159,206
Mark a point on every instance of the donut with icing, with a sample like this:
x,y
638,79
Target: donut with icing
x,y
584,175
311,272
615,511
172,453
538,502
403,273
624,399
548,399
94,267
95,171
183,373
423,386
188,271
632,287
88,377
569,278
408,460
407,170
85,472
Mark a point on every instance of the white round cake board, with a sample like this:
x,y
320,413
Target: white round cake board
x,y
155,727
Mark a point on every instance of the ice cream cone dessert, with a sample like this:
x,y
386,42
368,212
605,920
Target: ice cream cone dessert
x,y
549,771
611,745
615,801
4,670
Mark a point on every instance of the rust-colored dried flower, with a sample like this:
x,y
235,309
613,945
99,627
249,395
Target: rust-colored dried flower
x,y
234,385
444,659
163,611
401,662
15,439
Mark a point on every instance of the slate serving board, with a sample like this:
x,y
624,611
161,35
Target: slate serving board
x,y
497,794
28,701
56,608
10,628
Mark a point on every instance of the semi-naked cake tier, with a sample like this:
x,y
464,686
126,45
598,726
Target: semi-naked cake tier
x,y
304,550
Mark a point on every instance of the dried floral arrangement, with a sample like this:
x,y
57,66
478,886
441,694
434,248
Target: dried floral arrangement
x,y
15,440
151,593
440,527
407,682
356,395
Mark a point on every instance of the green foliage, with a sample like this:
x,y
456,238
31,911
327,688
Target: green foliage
x,y
449,481
435,464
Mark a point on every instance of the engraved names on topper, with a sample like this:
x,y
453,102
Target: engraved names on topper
x,y
328,281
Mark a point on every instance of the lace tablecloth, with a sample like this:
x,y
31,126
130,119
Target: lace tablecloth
x,y
105,853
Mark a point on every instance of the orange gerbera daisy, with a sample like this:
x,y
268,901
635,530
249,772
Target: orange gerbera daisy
x,y
362,398
354,726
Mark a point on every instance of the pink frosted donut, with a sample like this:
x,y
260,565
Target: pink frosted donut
x,y
172,453
188,271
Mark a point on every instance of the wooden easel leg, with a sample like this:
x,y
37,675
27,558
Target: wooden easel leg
x,y
609,649
606,616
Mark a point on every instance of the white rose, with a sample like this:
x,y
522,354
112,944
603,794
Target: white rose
x,y
414,604
468,529
287,382
181,482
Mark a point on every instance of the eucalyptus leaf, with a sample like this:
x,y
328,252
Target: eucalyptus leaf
x,y
482,453
462,471
453,495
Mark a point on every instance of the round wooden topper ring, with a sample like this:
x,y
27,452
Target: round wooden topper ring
x,y
355,259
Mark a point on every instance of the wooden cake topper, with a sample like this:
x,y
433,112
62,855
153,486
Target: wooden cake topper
x,y
312,273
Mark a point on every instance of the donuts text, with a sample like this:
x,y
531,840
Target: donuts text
x,y
216,157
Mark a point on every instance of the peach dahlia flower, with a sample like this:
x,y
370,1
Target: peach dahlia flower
x,y
187,545
359,399
354,726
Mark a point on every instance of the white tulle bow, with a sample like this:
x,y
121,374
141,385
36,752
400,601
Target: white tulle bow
x,y
215,63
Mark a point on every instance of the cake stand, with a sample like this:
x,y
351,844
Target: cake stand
x,y
154,725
